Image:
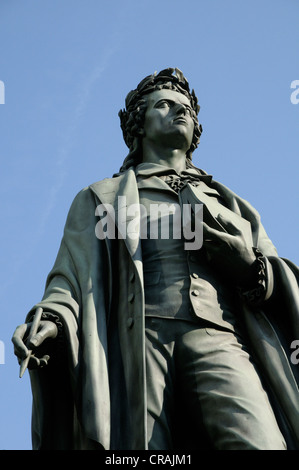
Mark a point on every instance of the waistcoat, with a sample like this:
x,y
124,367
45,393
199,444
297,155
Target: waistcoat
x,y
179,284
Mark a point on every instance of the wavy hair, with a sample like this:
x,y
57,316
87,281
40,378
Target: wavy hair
x,y
132,117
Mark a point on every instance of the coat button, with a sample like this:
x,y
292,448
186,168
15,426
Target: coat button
x,y
132,277
195,276
130,322
195,292
131,297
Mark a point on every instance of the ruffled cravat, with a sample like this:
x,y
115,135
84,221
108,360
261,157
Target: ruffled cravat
x,y
178,182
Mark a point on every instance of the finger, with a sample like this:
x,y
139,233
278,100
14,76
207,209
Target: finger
x,y
47,330
20,333
38,362
33,362
43,361
228,225
207,230
212,234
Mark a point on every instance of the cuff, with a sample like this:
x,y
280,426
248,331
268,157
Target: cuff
x,y
264,281
57,346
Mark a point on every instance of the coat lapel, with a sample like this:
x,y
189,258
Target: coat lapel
x,y
121,193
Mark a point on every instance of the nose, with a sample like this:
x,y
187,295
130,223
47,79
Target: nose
x,y
180,108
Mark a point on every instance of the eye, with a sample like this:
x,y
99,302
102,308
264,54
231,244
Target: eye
x,y
163,104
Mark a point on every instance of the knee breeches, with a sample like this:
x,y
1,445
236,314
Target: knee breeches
x,y
219,389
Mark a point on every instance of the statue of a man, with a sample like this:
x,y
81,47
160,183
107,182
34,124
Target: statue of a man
x,y
147,344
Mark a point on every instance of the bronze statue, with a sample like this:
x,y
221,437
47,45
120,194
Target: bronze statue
x,y
144,344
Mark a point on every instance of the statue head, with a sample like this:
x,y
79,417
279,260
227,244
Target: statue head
x,y
132,117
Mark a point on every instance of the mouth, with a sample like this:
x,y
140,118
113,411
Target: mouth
x,y
180,120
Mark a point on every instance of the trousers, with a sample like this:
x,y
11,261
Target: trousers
x,y
207,375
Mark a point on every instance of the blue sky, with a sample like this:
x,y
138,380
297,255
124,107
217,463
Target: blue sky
x,y
67,67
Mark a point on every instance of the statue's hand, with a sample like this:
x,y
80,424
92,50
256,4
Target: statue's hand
x,y
47,330
229,253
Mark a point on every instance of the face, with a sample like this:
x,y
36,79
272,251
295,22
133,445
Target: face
x,y
168,120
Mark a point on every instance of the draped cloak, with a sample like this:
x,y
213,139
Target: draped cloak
x,y
93,396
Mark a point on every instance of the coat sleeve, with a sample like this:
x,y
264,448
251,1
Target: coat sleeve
x,y
74,292
272,328
273,325
63,293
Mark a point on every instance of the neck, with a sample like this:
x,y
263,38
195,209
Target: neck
x,y
173,158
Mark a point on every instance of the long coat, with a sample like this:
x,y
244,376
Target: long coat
x,y
93,395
